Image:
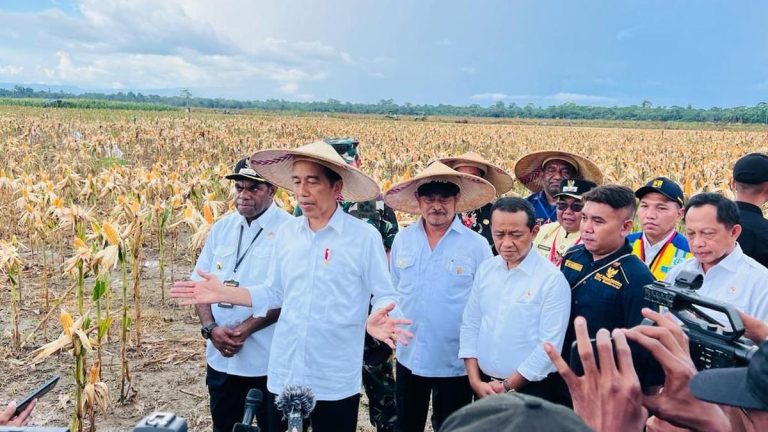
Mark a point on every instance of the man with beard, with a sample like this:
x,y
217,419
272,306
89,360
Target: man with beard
x,y
659,244
557,237
237,251
433,264
541,173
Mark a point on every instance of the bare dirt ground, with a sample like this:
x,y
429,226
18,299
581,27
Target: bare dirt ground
x,y
167,371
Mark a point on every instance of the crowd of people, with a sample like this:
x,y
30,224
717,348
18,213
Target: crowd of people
x,y
482,297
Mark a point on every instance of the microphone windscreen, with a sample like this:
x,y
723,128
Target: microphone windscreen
x,y
254,396
298,399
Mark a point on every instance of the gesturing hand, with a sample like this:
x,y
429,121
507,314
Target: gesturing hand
x,y
386,329
207,291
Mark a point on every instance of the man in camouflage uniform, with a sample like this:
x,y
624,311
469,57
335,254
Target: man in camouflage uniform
x,y
378,377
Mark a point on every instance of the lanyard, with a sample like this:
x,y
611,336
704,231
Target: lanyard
x,y
239,240
659,254
551,214
555,257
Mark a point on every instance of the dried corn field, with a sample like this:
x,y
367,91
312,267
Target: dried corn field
x,y
103,209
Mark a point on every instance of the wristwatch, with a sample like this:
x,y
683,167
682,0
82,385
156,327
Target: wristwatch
x,y
206,330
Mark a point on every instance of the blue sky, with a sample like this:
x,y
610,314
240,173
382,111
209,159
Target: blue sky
x,y
546,52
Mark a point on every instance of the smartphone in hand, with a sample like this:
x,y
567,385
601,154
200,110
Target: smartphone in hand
x,y
36,394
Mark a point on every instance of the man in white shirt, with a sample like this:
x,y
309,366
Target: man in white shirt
x,y
519,300
730,276
433,263
237,251
323,270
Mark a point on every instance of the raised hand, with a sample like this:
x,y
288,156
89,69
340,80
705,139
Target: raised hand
x,y
209,290
387,329
7,418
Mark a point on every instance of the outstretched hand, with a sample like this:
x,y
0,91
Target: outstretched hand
x,y
207,291
387,329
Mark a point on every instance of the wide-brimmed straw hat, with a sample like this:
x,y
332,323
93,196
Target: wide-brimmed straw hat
x,y
276,166
475,191
530,168
495,175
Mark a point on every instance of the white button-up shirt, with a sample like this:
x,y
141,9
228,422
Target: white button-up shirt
x,y
323,280
218,257
434,286
737,279
511,313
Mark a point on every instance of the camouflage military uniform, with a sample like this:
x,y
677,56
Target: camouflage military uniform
x,y
378,376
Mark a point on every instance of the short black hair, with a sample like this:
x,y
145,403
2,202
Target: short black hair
x,y
442,188
330,174
618,197
514,205
727,210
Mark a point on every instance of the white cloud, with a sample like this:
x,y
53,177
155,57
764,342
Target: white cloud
x,y
144,44
490,96
578,98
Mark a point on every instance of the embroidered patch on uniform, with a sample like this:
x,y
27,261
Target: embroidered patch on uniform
x,y
611,272
657,183
401,263
459,270
486,221
219,266
733,290
606,279
573,265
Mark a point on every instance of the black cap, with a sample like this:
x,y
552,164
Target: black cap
x,y
575,188
664,186
751,169
511,412
243,171
745,387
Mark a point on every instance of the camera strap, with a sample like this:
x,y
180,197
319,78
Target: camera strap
x,y
598,269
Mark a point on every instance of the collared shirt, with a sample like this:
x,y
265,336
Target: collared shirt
x,y
553,240
434,286
219,257
608,293
737,279
511,313
663,256
543,211
323,280
754,232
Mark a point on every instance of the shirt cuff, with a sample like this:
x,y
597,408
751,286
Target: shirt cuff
x,y
259,301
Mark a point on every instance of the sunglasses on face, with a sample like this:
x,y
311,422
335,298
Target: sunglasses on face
x,y
576,206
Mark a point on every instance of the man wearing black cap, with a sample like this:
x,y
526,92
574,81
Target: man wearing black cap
x,y
237,251
750,181
659,244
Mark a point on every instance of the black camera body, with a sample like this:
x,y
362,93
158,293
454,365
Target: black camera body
x,y
712,344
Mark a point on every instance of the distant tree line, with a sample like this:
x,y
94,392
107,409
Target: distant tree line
x,y
643,112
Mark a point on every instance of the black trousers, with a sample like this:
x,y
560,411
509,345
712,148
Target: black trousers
x,y
228,393
328,416
413,392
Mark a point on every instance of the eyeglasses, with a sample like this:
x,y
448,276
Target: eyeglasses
x,y
576,206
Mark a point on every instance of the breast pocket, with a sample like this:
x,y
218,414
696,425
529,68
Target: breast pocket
x,y
460,268
406,268
223,261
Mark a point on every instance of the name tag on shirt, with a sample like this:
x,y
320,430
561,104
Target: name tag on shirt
x,y
573,265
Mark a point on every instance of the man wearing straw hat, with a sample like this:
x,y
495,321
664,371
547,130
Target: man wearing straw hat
x,y
237,250
555,238
324,268
541,173
433,263
479,220
378,365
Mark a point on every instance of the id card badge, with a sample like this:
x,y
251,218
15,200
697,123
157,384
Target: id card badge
x,y
229,283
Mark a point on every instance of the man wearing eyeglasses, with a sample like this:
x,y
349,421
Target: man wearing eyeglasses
x,y
557,237
378,365
237,251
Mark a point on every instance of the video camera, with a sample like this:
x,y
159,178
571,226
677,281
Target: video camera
x,y
712,344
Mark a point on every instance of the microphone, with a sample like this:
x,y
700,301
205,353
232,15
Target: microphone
x,y
252,402
296,403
